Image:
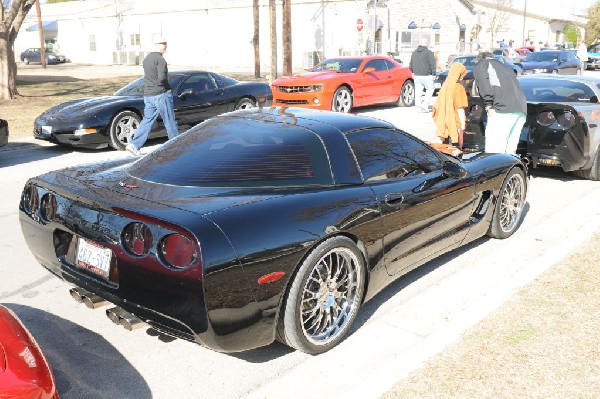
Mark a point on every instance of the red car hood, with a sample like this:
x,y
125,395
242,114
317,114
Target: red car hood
x,y
24,372
307,77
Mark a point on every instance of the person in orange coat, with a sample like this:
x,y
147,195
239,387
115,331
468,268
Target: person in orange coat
x,y
449,108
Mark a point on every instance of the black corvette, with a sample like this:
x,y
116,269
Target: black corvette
x,y
264,224
561,129
98,122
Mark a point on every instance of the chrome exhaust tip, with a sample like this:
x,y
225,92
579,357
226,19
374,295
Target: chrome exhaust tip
x,y
123,318
89,299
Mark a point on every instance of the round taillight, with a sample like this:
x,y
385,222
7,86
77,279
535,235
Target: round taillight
x,y
31,199
48,207
546,118
137,238
178,251
566,120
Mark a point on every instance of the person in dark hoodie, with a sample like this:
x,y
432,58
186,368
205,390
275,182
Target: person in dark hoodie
x,y
158,99
422,65
504,102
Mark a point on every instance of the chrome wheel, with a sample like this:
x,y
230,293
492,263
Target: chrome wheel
x,y
342,100
329,297
407,94
245,103
324,297
511,203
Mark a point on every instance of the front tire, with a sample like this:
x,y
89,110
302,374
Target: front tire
x,y
342,100
407,94
509,205
122,127
324,297
26,61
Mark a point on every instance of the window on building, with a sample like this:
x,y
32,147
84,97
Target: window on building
x,y
135,39
410,38
92,42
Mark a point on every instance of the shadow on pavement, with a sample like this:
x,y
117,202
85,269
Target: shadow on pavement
x,y
91,371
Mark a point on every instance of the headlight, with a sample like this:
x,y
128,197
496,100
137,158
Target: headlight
x,y
316,88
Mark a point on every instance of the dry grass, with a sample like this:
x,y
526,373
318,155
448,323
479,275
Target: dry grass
x,y
40,93
544,343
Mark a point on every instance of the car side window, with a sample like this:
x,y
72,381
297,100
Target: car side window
x,y
200,82
379,65
389,154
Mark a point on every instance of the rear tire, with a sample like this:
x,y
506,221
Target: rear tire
x,y
121,129
323,298
592,173
26,61
245,103
509,205
407,94
342,100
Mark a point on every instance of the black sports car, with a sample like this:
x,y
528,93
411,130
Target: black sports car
x,y
562,62
3,132
264,224
98,122
561,128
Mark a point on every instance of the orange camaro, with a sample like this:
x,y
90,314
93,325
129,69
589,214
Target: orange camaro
x,y
340,83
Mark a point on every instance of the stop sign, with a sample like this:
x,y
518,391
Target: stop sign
x,y
360,24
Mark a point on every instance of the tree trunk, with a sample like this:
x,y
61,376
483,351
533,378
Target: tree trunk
x,y
287,37
11,20
255,41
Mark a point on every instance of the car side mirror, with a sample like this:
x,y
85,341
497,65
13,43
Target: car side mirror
x,y
594,99
369,70
454,170
185,93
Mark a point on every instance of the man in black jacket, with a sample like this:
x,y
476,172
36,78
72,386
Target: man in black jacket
x,y
158,99
422,65
504,101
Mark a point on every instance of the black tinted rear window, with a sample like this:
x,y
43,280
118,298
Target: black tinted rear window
x,y
236,152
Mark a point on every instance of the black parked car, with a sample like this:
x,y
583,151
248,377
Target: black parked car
x,y
98,122
264,224
35,55
561,127
3,132
562,62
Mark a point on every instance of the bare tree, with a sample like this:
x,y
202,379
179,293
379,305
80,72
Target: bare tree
x,y
499,18
12,14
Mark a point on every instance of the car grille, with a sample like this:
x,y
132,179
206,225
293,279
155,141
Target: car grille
x,y
295,89
291,102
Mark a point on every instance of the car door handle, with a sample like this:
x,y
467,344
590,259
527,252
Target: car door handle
x,y
394,199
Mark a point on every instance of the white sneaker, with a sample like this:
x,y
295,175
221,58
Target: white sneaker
x,y
134,151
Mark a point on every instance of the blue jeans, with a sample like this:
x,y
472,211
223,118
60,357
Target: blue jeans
x,y
423,83
153,106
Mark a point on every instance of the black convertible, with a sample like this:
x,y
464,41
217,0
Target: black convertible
x,y
98,122
264,224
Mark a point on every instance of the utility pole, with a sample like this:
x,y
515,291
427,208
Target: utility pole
x,y
273,22
41,32
255,40
524,19
287,37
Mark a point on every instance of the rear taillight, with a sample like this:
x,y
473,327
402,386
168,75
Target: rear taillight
x,y
31,199
137,238
48,207
177,251
175,247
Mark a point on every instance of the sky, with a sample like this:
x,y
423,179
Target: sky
x,y
538,6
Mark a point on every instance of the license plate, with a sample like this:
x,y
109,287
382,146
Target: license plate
x,y
437,85
94,257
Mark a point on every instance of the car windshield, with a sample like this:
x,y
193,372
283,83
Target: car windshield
x,y
543,56
555,90
237,152
339,65
136,88
468,62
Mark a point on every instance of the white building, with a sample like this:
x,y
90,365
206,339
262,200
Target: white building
x,y
218,33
